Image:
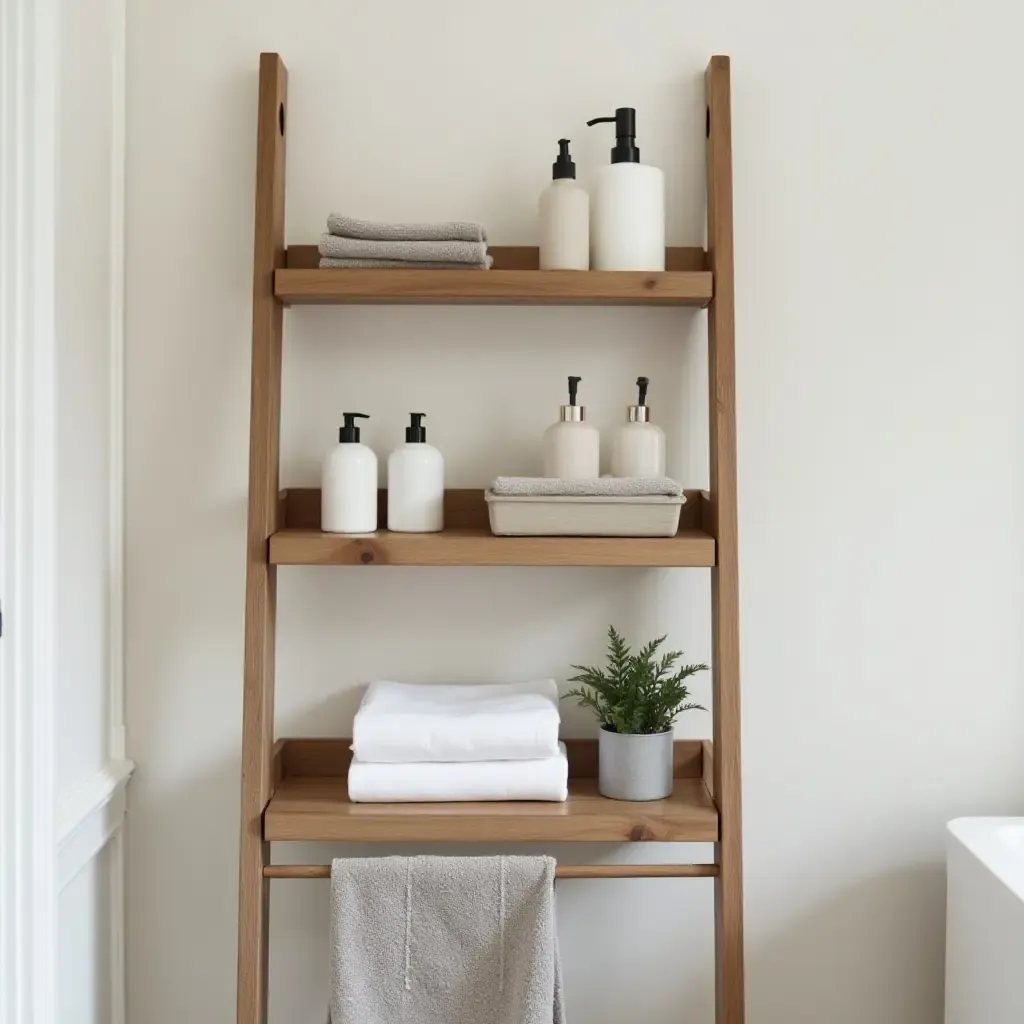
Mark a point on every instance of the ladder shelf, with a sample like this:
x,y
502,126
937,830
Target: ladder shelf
x,y
295,789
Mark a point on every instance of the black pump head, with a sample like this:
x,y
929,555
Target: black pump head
x,y
416,433
573,384
625,150
349,434
641,383
563,167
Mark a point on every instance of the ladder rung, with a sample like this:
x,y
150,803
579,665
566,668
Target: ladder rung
x,y
562,871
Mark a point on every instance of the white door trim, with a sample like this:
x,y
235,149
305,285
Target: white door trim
x,y
29,65
119,768
118,126
89,818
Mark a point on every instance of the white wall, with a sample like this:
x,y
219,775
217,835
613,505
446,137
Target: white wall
x,y
877,171
85,961
90,770
83,393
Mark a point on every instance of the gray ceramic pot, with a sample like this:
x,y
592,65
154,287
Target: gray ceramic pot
x,y
635,767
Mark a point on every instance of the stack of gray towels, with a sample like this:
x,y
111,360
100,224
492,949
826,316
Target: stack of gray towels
x,y
352,244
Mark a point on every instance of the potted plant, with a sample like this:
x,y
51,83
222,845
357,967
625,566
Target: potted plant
x,y
636,699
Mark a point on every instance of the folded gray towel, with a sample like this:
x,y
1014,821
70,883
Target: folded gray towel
x,y
450,231
335,248
329,264
605,486
444,940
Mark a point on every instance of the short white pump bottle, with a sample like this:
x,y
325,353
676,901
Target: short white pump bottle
x,y
627,205
348,496
572,447
416,482
564,218
638,446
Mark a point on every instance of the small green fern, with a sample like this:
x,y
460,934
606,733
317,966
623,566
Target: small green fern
x,y
636,693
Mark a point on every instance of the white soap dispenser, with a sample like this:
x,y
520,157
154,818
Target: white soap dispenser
x,y
627,205
416,482
638,446
564,218
572,447
348,496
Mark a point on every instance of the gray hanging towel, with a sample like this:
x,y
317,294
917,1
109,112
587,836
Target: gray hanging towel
x,y
444,940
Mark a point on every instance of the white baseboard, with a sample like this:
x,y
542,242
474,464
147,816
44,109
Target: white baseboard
x,y
89,818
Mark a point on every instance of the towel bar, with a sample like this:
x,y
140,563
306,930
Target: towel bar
x,y
562,871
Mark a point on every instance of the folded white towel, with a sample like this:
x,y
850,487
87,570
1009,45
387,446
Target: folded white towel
x,y
444,782
400,722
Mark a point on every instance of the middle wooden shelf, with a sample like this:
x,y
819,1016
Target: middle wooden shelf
x,y
468,541
310,804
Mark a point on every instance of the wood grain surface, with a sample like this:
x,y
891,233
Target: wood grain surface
x,y
316,809
260,579
725,639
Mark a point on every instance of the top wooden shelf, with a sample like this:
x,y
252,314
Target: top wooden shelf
x,y
514,280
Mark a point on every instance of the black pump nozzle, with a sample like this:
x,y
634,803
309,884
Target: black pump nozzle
x,y
349,434
573,384
563,167
625,150
416,433
641,383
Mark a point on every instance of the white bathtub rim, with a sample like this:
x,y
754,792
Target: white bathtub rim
x,y
987,840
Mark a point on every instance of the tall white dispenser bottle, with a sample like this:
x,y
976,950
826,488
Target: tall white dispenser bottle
x,y
564,218
348,495
627,205
416,482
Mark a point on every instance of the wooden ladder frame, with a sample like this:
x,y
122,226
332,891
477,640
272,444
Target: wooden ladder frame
x,y
266,514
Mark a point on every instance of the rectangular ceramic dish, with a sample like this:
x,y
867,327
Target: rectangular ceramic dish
x,y
604,516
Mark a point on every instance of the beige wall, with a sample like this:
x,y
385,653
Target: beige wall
x,y
879,381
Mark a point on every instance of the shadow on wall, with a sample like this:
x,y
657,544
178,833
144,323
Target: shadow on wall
x,y
829,956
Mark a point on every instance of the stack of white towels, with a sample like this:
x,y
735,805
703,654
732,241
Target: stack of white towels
x,y
422,743
353,244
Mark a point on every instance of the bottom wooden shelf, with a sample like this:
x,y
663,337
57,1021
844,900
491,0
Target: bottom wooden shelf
x,y
310,804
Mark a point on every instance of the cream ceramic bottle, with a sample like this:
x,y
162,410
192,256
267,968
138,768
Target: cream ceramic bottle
x,y
572,447
638,446
348,495
564,218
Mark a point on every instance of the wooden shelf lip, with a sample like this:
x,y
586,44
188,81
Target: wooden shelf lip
x,y
514,279
314,807
479,547
494,287
467,539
